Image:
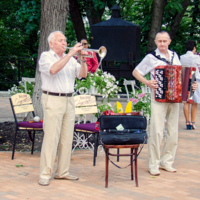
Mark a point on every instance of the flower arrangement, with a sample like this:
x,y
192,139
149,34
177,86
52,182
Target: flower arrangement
x,y
141,102
21,88
104,82
106,106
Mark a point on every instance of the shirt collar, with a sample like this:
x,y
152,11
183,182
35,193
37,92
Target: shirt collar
x,y
189,53
161,54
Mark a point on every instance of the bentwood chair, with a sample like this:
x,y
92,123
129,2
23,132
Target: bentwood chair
x,y
83,132
131,124
22,103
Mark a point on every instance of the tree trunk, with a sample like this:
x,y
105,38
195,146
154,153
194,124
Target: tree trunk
x,y
178,19
53,17
156,22
77,20
93,13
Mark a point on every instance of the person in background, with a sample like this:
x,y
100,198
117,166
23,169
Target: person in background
x,y
58,73
190,59
91,62
160,111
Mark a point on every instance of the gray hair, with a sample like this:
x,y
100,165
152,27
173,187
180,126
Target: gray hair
x,y
162,32
51,36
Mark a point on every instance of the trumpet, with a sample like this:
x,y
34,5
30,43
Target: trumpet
x,y
102,51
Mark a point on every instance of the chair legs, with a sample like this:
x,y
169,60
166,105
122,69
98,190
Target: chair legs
x,y
107,163
131,164
32,138
118,156
14,143
33,142
136,177
95,148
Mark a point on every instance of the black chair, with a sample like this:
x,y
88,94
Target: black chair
x,y
22,103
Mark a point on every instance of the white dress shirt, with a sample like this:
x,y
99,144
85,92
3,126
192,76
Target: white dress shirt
x,y
150,62
191,60
62,81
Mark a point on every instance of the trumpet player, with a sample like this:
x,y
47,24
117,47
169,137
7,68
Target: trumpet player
x,y
58,73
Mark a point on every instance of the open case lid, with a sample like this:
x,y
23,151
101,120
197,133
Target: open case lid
x,y
127,121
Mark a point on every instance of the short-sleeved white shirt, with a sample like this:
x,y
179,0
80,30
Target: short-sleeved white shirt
x,y
62,81
150,62
190,59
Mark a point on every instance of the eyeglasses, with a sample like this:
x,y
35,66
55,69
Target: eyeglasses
x,y
84,43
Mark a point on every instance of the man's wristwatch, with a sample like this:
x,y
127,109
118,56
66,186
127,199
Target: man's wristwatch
x,y
84,61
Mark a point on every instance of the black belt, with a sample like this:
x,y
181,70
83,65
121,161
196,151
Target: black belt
x,y
58,94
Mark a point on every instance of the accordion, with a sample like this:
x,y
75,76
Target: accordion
x,y
169,78
188,74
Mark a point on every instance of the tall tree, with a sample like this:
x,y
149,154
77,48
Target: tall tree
x,y
178,18
194,30
94,10
53,17
156,22
77,19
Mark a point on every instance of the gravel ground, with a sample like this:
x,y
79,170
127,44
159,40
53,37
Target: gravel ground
x,y
23,142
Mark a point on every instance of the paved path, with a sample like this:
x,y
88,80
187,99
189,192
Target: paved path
x,y
21,183
5,110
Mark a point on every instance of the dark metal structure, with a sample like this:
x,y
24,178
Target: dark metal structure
x,y
122,40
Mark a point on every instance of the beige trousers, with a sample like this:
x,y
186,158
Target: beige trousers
x,y
58,125
160,112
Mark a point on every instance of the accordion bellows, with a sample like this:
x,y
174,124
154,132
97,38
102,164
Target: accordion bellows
x,y
188,80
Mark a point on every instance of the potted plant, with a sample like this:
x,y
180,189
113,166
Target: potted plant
x,y
104,83
141,102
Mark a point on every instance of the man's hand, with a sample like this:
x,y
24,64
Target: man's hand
x,y
194,86
81,55
77,48
152,84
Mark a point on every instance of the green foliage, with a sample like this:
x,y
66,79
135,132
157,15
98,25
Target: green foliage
x,y
104,106
139,12
20,20
21,88
70,33
29,14
104,82
19,27
19,165
141,102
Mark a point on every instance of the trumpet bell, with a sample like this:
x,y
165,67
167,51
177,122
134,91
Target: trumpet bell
x,y
102,51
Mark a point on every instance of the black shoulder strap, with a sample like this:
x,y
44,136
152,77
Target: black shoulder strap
x,y
163,59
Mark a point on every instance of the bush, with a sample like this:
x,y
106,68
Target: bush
x,y
21,88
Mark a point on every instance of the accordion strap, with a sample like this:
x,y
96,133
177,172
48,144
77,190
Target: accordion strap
x,y
163,59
